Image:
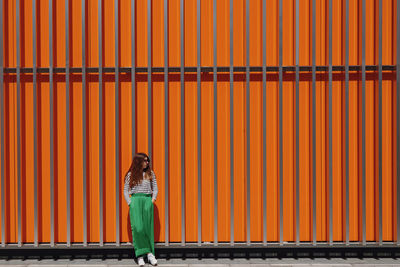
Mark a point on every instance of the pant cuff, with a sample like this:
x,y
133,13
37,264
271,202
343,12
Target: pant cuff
x,y
142,252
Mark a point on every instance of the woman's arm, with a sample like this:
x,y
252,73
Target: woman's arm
x,y
126,188
154,183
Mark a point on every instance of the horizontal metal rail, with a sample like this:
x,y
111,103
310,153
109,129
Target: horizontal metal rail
x,y
93,251
203,69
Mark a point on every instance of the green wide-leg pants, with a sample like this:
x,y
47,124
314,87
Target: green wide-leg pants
x,y
142,224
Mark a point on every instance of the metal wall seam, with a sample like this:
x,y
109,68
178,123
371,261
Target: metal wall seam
x,y
18,26
398,123
51,85
2,107
231,124
166,96
215,124
297,127
330,125
199,121
248,120
380,122
149,84
347,119
116,107
182,74
67,117
280,126
363,18
100,31
314,134
264,86
84,121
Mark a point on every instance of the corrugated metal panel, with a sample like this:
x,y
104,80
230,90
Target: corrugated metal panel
x,y
231,147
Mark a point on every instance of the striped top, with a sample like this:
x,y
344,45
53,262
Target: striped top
x,y
143,187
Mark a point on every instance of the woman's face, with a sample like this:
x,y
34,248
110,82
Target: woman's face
x,y
145,163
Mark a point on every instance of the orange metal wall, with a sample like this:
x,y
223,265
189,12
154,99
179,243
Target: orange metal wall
x,y
389,153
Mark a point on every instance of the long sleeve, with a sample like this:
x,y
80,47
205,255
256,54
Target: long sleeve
x,y
154,183
126,188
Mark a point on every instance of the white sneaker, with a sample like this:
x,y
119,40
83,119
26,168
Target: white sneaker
x,y
140,261
152,259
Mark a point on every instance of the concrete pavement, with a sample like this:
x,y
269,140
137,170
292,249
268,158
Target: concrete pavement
x,y
270,262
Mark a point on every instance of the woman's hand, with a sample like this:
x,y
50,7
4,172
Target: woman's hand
x,y
153,200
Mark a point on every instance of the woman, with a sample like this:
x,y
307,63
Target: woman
x,y
140,182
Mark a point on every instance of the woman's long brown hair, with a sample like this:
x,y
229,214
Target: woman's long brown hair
x,y
136,170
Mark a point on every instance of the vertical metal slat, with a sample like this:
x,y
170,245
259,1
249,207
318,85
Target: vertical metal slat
x,y
117,195
199,226
84,122
35,122
347,119
166,97
330,125
248,118
149,83
51,122
19,119
133,74
297,128
101,200
380,122
2,107
398,123
231,124
280,126
67,120
182,74
215,124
